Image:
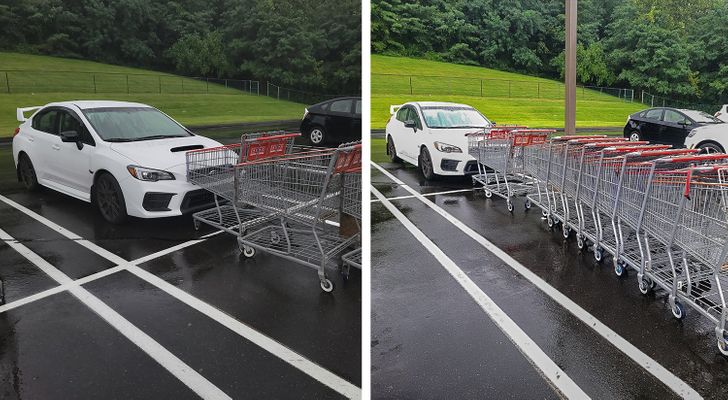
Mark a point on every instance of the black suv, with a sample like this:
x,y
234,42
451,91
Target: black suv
x,y
665,125
333,121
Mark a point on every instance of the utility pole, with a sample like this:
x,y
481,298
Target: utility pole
x,y
570,76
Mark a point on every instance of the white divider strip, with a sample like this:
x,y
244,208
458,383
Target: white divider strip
x,y
520,339
651,366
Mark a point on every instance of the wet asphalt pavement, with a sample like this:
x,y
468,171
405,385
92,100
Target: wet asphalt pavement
x,y
431,340
57,347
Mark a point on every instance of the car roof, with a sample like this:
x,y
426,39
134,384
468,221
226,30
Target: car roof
x,y
335,99
89,104
439,104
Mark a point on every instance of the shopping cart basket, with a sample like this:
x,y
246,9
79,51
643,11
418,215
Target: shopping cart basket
x,y
304,190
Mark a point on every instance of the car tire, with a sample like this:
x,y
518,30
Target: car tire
x,y
317,135
109,199
635,136
26,173
710,148
392,151
425,164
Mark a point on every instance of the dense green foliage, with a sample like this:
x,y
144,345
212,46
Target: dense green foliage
x,y
303,44
671,48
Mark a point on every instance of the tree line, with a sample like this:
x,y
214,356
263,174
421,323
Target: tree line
x,y
673,48
312,45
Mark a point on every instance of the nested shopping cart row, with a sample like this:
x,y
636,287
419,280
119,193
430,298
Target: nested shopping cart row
x,y
299,203
660,212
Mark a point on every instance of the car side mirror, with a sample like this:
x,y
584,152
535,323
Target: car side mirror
x,y
410,124
72,137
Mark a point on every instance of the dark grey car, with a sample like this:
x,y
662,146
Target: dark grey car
x,y
666,125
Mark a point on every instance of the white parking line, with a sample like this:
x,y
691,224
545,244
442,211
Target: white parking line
x,y
653,367
196,382
296,360
426,195
523,342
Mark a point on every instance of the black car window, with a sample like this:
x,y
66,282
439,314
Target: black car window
x,y
402,114
673,117
357,107
46,122
655,114
412,115
71,122
342,106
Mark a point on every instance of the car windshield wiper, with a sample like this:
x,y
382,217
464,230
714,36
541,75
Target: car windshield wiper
x,y
119,139
159,137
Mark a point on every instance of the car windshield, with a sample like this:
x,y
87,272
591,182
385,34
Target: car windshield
x,y
454,117
130,124
701,117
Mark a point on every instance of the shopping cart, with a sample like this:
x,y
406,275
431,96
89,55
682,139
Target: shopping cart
x,y
502,162
304,190
351,198
213,169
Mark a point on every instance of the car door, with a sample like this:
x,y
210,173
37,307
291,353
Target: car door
x,y
44,138
650,126
675,128
74,162
415,133
355,131
399,133
338,120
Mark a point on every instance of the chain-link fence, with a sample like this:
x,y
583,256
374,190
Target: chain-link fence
x,y
298,96
652,100
477,87
17,81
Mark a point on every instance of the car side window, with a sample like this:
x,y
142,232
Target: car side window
x,y
414,117
402,114
673,117
357,107
46,122
654,114
70,122
342,106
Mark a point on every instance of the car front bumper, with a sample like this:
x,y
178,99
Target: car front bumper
x,y
163,198
455,164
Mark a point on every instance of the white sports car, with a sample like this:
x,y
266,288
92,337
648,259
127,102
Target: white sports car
x,y
431,135
127,158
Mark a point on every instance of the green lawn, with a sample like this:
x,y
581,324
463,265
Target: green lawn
x,y
507,98
191,102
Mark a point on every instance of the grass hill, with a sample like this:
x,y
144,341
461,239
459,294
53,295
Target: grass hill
x,y
504,97
191,102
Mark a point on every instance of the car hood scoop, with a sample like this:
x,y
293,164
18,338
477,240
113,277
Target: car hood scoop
x,y
187,148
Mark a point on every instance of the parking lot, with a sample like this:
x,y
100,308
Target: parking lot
x,y
470,301
155,309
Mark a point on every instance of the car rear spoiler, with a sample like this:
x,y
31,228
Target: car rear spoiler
x,y
21,111
393,109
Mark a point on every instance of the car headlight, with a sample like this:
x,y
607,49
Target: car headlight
x,y
447,148
149,174
692,133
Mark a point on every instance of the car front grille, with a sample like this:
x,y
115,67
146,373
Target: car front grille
x,y
471,167
196,200
157,201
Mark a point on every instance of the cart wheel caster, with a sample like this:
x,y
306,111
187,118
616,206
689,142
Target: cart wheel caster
x,y
488,193
544,213
527,204
275,238
619,269
566,231
598,254
196,224
580,243
327,286
549,221
248,252
345,270
645,285
677,310
510,207
723,345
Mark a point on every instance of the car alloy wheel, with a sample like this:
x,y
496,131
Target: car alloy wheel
x,y
110,199
27,173
392,151
634,136
316,135
426,164
710,148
